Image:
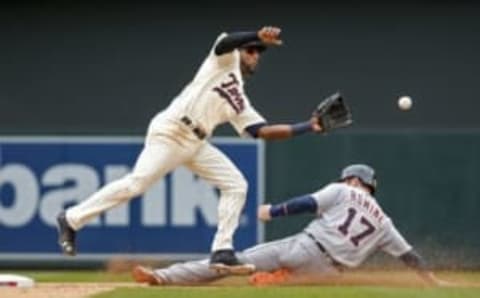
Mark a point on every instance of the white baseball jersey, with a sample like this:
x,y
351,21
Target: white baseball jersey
x,y
351,225
214,96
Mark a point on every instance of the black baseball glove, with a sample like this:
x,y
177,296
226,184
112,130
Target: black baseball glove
x,y
333,113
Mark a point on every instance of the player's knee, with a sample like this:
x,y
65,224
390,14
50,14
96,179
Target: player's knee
x,y
243,186
234,182
240,186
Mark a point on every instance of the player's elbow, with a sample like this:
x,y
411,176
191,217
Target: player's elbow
x,y
224,46
221,49
255,130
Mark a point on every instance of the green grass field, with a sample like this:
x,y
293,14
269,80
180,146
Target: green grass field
x,y
297,292
121,286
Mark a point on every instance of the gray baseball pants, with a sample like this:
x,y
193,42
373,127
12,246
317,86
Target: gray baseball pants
x,y
299,253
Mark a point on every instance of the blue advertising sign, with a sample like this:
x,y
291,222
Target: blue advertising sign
x,y
39,176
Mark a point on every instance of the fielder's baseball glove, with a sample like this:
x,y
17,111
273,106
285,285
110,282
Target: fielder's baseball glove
x,y
333,113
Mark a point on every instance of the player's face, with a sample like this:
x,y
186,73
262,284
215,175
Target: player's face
x,y
355,182
249,59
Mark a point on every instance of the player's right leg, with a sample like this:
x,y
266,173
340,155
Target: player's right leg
x,y
215,167
155,160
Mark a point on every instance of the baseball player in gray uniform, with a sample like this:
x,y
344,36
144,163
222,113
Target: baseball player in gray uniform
x,y
350,225
178,136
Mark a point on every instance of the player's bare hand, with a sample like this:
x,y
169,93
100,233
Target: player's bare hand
x,y
263,212
446,283
270,35
431,279
443,283
316,127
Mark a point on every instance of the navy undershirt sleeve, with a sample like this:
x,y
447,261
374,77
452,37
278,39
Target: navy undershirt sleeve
x,y
234,40
297,205
253,129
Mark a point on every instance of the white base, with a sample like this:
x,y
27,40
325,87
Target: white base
x,y
13,280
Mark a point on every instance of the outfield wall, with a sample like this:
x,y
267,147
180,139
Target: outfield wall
x,y
428,184
175,219
77,69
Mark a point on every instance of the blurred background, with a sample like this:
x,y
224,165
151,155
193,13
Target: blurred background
x,y
105,68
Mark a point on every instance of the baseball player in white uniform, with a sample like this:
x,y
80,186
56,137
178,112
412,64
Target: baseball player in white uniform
x,y
178,136
350,225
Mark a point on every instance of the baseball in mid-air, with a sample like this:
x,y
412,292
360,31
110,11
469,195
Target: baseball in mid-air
x,y
405,103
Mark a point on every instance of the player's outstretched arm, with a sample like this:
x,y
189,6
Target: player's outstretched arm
x,y
283,131
332,113
413,260
297,205
268,35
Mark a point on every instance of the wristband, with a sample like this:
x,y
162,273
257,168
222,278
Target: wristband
x,y
278,210
301,128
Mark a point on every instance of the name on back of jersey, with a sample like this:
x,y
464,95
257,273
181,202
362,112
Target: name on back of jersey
x,y
367,203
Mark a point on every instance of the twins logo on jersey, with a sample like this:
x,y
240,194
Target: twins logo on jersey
x,y
230,91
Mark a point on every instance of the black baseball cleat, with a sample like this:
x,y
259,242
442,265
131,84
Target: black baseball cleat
x,y
66,235
224,261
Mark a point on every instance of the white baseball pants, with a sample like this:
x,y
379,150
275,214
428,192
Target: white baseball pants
x,y
160,155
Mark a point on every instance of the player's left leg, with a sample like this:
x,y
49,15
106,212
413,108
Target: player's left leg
x,y
155,160
265,257
278,258
187,273
213,166
142,274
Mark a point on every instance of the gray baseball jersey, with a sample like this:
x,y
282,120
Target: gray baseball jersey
x,y
350,226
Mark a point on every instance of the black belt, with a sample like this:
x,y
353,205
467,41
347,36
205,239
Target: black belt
x,y
198,131
322,248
